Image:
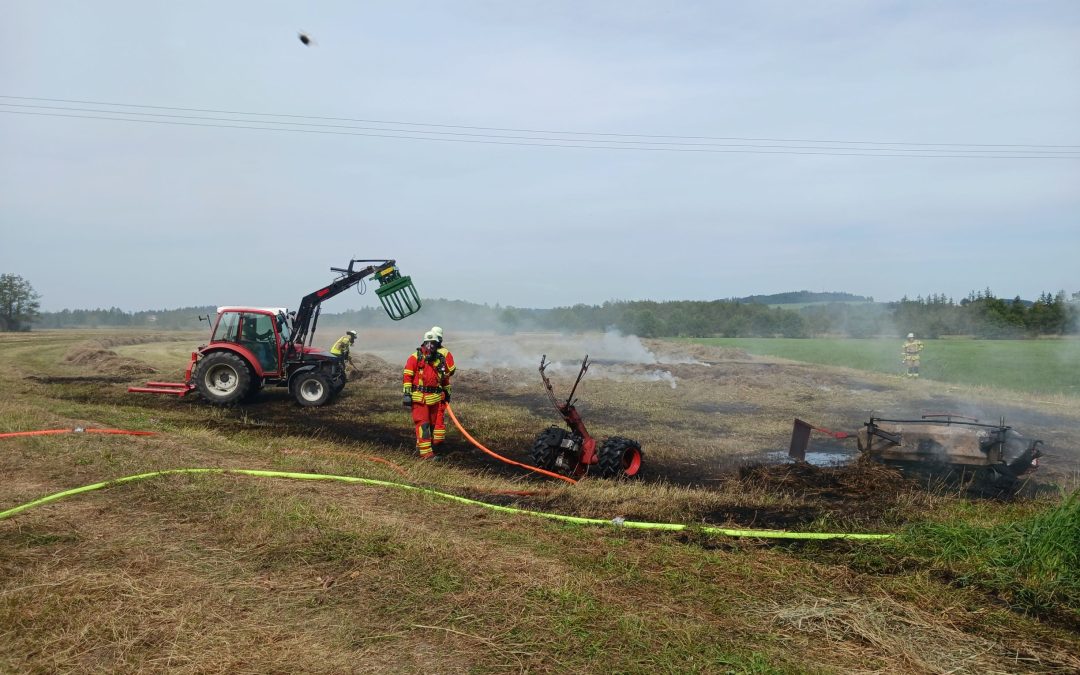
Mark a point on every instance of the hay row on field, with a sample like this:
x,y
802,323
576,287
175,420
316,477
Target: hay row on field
x,y
96,356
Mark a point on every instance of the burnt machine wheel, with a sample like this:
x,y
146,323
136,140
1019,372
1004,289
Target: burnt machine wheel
x,y
619,457
223,378
311,388
547,447
995,481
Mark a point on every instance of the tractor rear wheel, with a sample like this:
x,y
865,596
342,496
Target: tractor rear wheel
x,y
619,457
547,446
223,378
311,388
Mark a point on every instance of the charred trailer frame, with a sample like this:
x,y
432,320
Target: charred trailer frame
x,y
935,439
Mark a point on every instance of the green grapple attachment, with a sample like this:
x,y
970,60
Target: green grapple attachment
x,y
397,294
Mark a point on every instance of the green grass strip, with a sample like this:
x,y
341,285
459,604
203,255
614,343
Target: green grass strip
x,y
764,534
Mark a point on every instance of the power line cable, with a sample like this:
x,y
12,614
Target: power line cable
x,y
533,138
584,144
531,131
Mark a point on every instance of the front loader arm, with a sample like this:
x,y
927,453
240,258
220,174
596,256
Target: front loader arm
x,y
396,292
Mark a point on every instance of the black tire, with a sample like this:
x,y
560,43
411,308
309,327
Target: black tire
x,y
996,481
254,389
619,458
546,447
337,383
311,388
223,378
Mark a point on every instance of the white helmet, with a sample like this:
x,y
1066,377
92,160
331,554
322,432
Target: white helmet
x,y
437,332
430,337
351,333
911,336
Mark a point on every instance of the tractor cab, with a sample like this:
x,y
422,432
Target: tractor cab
x,y
259,334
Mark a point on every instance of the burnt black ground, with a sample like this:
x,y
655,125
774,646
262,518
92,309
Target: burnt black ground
x,y
855,492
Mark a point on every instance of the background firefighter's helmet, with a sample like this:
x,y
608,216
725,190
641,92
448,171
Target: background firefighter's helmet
x,y
351,333
911,336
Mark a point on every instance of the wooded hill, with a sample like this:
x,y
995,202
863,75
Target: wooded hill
x,y
981,314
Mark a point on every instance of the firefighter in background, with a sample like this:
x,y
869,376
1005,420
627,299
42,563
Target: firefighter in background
x,y
424,381
909,355
343,347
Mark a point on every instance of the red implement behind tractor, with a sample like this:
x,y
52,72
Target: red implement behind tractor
x,y
251,347
572,452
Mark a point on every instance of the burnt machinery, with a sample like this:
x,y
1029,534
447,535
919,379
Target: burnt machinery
x,y
573,451
935,440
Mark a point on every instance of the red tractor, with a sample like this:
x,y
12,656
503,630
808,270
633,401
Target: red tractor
x,y
251,347
573,451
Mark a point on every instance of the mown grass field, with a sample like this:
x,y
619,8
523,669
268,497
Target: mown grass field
x,y
1035,366
239,574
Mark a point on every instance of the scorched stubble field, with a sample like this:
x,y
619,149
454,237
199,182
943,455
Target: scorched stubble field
x,y
235,573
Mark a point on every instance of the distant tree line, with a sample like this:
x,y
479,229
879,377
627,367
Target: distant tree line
x,y
184,318
18,303
981,315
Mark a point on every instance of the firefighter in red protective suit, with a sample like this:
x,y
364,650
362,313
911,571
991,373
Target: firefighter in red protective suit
x,y
423,383
437,332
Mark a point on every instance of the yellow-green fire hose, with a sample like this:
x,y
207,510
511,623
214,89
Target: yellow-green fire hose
x,y
709,529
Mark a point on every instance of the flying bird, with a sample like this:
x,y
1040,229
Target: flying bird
x,y
305,38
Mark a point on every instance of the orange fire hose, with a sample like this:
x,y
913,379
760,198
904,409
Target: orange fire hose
x,y
77,430
500,457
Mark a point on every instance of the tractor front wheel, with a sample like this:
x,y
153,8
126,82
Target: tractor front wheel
x,y
311,388
619,458
223,378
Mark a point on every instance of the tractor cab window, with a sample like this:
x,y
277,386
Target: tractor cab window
x,y
228,326
283,326
257,334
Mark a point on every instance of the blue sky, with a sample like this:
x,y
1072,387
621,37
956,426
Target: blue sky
x,y
151,215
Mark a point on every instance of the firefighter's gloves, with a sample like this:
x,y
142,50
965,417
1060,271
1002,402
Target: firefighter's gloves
x,y
406,400
446,395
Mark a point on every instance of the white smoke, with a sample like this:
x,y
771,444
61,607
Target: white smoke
x,y
564,351
612,355
614,346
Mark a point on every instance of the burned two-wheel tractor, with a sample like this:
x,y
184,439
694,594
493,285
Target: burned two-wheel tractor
x,y
573,451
